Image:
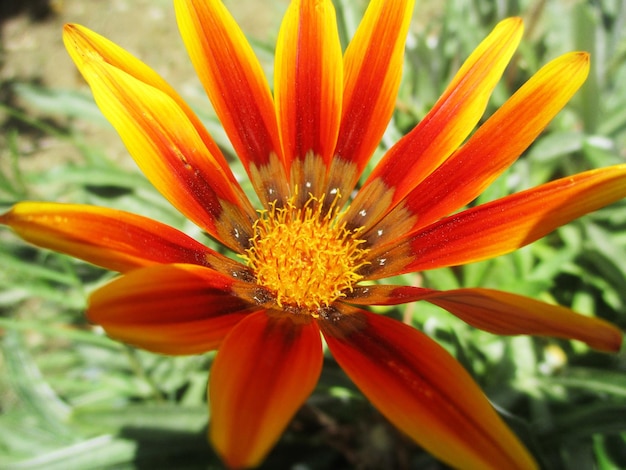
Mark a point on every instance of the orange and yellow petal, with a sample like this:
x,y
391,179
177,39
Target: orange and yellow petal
x,y
423,391
494,146
235,83
169,309
386,294
501,226
308,87
372,73
500,313
113,239
509,314
265,369
444,128
169,151
83,44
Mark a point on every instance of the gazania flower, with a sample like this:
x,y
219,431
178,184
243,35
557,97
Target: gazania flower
x,y
306,256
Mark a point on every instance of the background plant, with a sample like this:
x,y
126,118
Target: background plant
x,y
72,398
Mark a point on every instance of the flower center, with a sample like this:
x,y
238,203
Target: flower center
x,y
306,258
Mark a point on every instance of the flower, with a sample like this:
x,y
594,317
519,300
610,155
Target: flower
x,y
307,257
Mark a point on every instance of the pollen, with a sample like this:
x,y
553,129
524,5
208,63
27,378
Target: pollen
x,y
305,257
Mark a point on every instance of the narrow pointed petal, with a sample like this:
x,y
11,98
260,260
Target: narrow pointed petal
x,y
491,150
265,369
83,44
440,133
509,314
500,313
386,294
308,86
169,151
372,73
501,226
234,81
169,309
113,239
423,391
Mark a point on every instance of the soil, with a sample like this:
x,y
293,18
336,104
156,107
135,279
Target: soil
x,y
32,51
33,48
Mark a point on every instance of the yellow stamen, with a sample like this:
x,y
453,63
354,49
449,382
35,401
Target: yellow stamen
x,y
305,257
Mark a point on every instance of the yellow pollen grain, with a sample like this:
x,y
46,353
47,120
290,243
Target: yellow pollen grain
x,y
307,259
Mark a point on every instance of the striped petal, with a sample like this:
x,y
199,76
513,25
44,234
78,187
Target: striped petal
x,y
445,127
423,391
490,151
167,148
500,313
113,239
170,309
509,314
83,44
308,90
372,73
501,226
264,371
234,81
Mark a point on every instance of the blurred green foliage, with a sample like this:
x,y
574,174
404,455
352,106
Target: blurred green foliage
x,y
72,398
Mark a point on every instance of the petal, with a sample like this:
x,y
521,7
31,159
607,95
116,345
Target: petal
x,y
265,369
445,127
423,391
501,226
386,294
492,149
113,239
83,44
373,69
234,81
308,87
170,309
500,313
167,148
509,314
